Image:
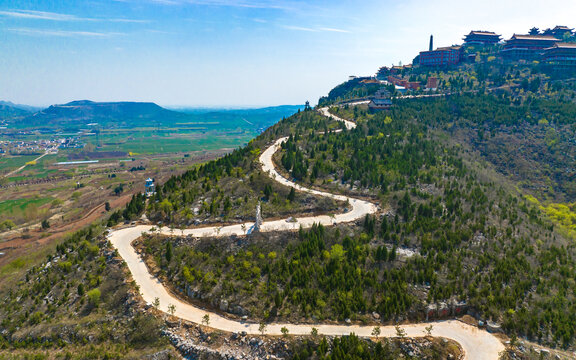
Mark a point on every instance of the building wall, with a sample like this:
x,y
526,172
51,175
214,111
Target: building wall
x,y
479,39
441,57
560,58
432,83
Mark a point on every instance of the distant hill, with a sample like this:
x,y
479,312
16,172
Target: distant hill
x,y
106,114
9,110
78,114
257,119
27,108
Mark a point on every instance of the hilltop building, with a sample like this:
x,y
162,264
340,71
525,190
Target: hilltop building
x,y
561,56
527,47
380,101
383,73
432,83
444,56
399,69
481,38
559,31
370,81
409,85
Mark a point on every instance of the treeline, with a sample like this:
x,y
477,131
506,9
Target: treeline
x,y
351,89
354,348
486,109
133,210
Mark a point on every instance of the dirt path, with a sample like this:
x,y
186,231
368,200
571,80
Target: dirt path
x,y
477,344
23,166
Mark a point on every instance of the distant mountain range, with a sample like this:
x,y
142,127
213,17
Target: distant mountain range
x,y
85,113
257,118
9,110
106,114
27,108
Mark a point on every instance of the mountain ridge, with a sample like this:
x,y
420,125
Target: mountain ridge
x,y
80,113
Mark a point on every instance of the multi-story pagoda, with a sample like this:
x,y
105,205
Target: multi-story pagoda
x,y
527,47
562,56
482,38
559,31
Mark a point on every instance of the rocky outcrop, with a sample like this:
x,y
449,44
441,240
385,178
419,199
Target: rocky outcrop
x,y
237,347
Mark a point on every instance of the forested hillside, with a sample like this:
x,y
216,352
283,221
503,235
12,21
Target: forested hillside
x,y
453,230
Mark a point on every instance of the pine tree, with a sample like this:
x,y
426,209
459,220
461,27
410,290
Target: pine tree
x,y
291,195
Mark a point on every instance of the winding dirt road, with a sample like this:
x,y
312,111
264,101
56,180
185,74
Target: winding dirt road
x,y
477,344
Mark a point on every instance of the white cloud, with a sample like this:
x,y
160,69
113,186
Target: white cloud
x,y
62,33
129,21
41,15
256,4
314,29
333,30
298,28
44,15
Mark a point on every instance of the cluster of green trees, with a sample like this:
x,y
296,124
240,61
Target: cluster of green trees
x,y
317,275
133,210
359,157
7,225
354,348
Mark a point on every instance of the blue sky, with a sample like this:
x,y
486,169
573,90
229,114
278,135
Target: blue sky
x,y
230,52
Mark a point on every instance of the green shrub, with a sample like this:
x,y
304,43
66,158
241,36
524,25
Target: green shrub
x,y
94,297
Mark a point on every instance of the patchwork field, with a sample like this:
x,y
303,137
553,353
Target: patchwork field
x,y
71,196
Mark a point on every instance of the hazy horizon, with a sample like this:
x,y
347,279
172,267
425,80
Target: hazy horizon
x,y
230,53
183,108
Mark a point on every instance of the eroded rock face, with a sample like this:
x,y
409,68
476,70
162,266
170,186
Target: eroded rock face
x,y
223,305
236,346
161,355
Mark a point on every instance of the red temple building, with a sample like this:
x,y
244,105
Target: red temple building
x,y
443,56
527,47
562,56
409,85
482,38
432,83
